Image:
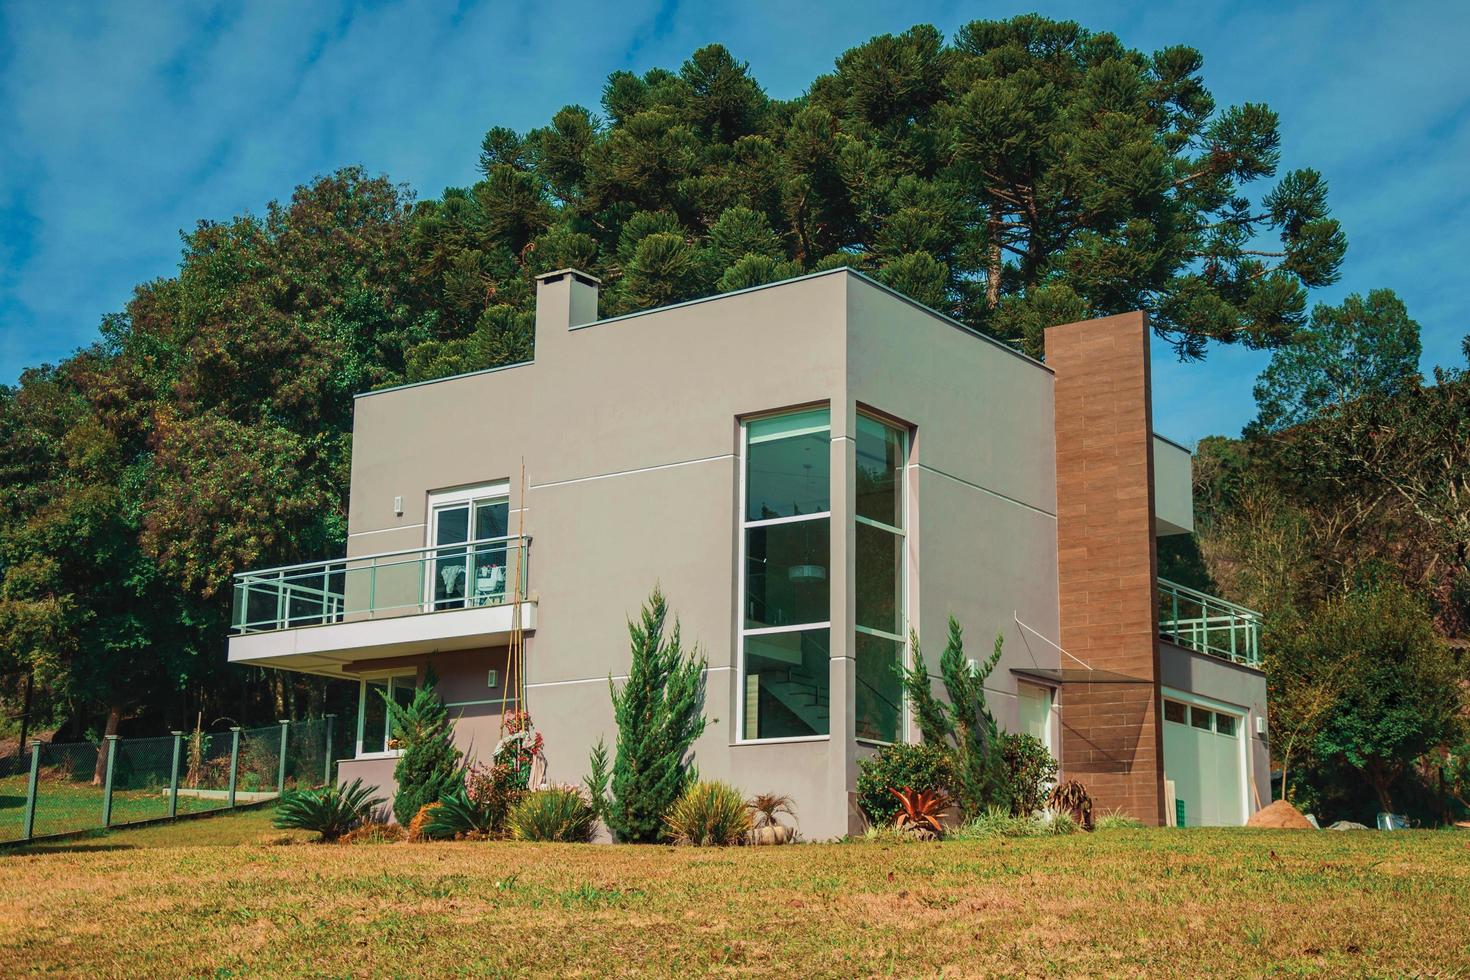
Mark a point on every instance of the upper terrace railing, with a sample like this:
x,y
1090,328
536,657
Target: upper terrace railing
x,y
395,583
1202,622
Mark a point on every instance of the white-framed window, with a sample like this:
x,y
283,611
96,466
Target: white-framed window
x,y
469,532
373,730
785,585
879,643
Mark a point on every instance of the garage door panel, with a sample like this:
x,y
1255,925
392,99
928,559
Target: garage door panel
x,y
1202,755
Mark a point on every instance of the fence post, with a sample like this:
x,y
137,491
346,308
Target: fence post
x,y
281,776
234,760
173,780
111,743
327,773
30,816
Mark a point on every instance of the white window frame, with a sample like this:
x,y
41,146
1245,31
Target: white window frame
x,y
391,677
741,632
905,655
441,500
1241,715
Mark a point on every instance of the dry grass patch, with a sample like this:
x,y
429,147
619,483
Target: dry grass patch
x,y
1124,902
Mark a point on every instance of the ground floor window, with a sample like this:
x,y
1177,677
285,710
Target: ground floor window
x,y
1033,713
373,735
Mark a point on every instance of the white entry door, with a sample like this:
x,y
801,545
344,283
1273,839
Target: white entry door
x,y
1204,754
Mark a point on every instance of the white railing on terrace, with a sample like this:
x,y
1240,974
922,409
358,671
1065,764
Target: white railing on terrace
x,y
394,583
1202,622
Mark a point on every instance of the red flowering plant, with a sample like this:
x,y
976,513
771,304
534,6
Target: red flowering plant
x,y
518,750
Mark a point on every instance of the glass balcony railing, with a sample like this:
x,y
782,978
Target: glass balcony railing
x,y
396,583
1202,622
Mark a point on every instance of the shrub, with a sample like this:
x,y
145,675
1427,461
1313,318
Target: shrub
x,y
1072,797
964,725
1030,771
926,766
516,753
921,812
374,833
330,811
456,815
419,827
659,713
429,767
709,814
484,800
560,813
999,821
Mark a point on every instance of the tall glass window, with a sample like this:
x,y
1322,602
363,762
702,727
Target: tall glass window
x,y
879,642
373,735
786,590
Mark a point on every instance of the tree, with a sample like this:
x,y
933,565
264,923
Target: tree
x,y
1400,688
964,725
659,714
1359,348
429,767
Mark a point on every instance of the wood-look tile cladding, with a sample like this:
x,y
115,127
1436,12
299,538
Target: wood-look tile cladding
x,y
1111,733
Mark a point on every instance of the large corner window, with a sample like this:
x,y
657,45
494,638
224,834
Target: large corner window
x,y
468,529
879,641
373,731
786,595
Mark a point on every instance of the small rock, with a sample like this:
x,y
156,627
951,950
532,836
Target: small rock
x,y
1349,825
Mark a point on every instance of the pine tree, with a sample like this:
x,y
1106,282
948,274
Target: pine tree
x,y
964,725
659,714
430,765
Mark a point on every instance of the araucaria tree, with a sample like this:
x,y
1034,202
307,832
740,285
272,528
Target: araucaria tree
x,y
964,725
659,712
430,765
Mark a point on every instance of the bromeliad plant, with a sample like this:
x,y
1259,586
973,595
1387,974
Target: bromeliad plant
x,y
921,812
330,811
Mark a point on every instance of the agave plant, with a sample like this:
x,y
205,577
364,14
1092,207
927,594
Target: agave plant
x,y
765,828
1071,797
330,811
920,811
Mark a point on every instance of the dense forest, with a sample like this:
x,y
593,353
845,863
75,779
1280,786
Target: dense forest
x,y
1018,174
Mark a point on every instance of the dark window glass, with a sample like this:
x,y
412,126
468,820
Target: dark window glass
x,y
1200,718
1175,711
1225,724
787,462
879,469
786,581
374,716
786,684
878,584
879,694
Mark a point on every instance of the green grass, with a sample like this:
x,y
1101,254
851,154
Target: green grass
x,y
212,896
63,806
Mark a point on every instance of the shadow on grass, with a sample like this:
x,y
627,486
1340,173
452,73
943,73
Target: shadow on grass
x,y
73,848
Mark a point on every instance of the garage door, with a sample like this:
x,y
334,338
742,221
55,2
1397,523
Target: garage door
x,y
1202,755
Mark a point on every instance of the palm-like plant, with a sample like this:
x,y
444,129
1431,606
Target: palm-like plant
x,y
330,811
457,814
921,811
766,807
1072,797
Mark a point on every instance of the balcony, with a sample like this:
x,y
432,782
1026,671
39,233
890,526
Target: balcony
x,y
331,617
1201,622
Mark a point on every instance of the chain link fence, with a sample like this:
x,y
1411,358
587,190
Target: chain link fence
x,y
64,788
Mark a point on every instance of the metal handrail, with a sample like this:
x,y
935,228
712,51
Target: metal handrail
x,y
522,538
1240,626
326,586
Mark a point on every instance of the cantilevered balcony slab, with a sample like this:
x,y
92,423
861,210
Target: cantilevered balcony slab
x,y
332,649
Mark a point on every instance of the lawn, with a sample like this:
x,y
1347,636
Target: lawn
x,y
214,896
64,805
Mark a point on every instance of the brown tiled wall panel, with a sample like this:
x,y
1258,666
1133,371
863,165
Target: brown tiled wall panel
x,y
1111,734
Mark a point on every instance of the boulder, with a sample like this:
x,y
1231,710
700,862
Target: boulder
x,y
1280,815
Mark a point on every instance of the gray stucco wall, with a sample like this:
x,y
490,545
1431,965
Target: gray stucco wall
x,y
629,432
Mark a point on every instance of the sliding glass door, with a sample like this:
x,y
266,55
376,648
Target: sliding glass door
x,y
471,557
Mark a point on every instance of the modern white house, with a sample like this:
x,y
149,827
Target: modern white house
x,y
810,470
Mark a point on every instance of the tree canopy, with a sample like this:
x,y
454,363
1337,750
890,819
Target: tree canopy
x,y
1018,174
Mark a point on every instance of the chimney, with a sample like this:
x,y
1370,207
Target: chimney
x,y
565,299
1111,731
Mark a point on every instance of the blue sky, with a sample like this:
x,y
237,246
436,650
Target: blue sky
x,y
126,123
